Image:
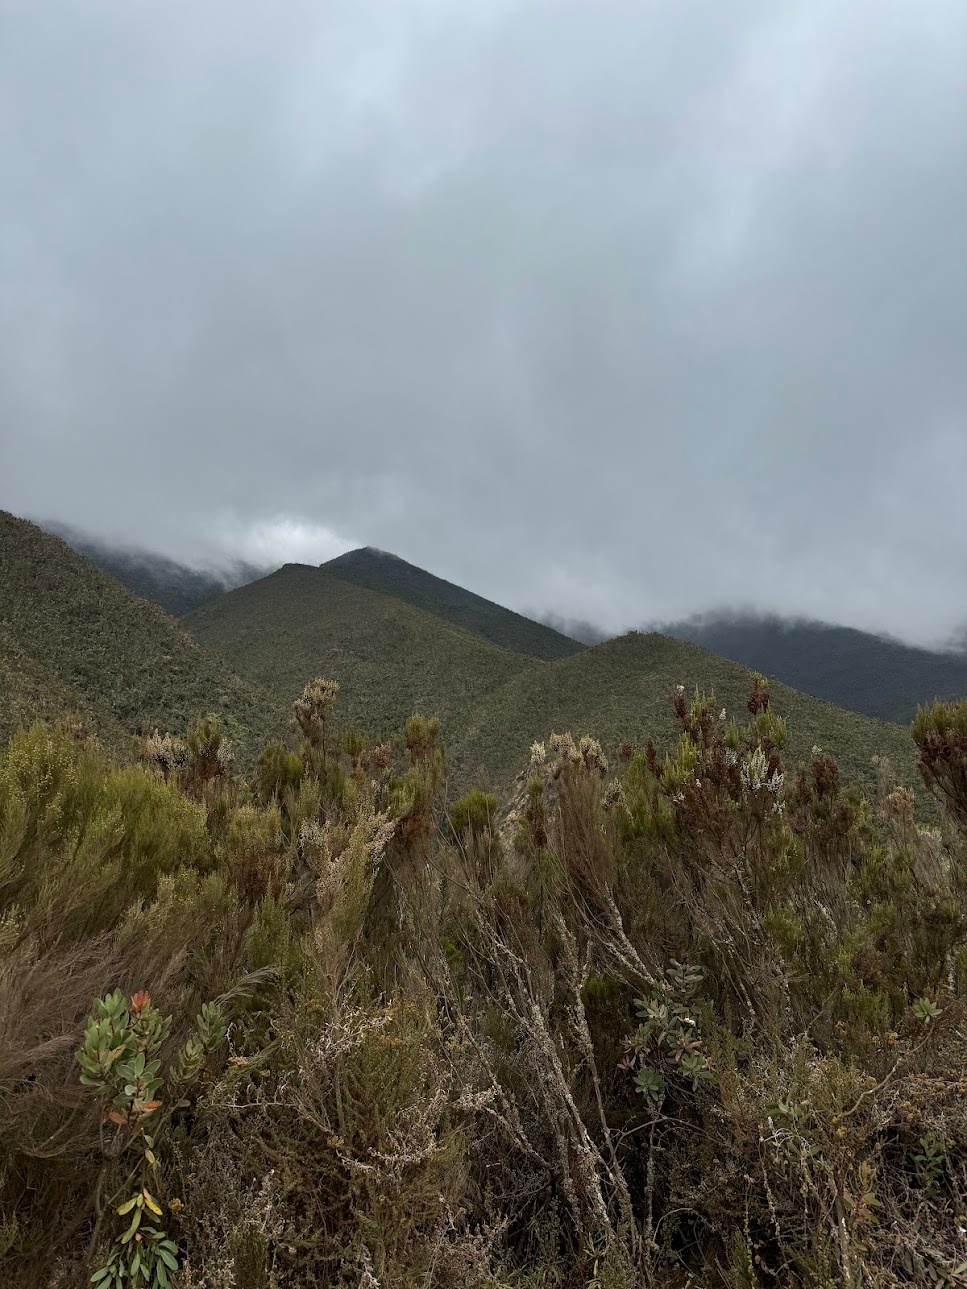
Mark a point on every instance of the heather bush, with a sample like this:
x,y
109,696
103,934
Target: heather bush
x,y
690,1019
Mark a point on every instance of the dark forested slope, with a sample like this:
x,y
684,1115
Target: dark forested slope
x,y
379,571
854,669
176,587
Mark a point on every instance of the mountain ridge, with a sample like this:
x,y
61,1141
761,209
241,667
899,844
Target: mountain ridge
x,y
177,588
623,689
391,575
390,657
864,672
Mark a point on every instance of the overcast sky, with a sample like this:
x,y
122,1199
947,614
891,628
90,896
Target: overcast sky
x,y
621,310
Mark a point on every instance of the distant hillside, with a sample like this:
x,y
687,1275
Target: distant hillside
x,y
390,575
70,636
623,689
390,658
853,669
176,587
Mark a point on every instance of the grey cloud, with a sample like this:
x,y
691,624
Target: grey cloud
x,y
613,311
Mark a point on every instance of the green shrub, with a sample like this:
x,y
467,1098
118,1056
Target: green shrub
x,y
473,814
697,1019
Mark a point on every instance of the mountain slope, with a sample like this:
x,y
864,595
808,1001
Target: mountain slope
x,y
863,672
390,658
379,571
72,637
175,587
623,689
29,693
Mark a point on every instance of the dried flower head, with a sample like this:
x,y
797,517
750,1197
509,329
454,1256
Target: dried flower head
x,y
560,747
613,795
589,750
312,710
164,751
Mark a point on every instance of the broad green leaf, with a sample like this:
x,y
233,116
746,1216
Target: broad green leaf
x,y
135,1223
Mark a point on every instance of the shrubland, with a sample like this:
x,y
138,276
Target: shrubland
x,y
392,658
74,640
693,1018
397,647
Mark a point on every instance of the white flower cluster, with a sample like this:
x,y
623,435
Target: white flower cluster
x,y
613,795
591,754
164,751
562,750
755,773
314,705
313,838
321,690
560,747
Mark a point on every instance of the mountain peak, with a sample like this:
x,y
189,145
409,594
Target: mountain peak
x,y
363,554
379,570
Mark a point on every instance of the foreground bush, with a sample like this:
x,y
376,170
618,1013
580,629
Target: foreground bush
x,y
694,1019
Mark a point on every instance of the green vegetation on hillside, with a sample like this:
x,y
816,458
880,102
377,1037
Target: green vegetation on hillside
x,y
73,638
174,586
694,1020
620,690
862,672
380,571
390,658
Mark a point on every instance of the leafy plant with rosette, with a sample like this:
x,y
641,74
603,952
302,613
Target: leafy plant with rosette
x,y
119,1061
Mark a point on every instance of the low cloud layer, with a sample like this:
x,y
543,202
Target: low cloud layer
x,y
614,311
